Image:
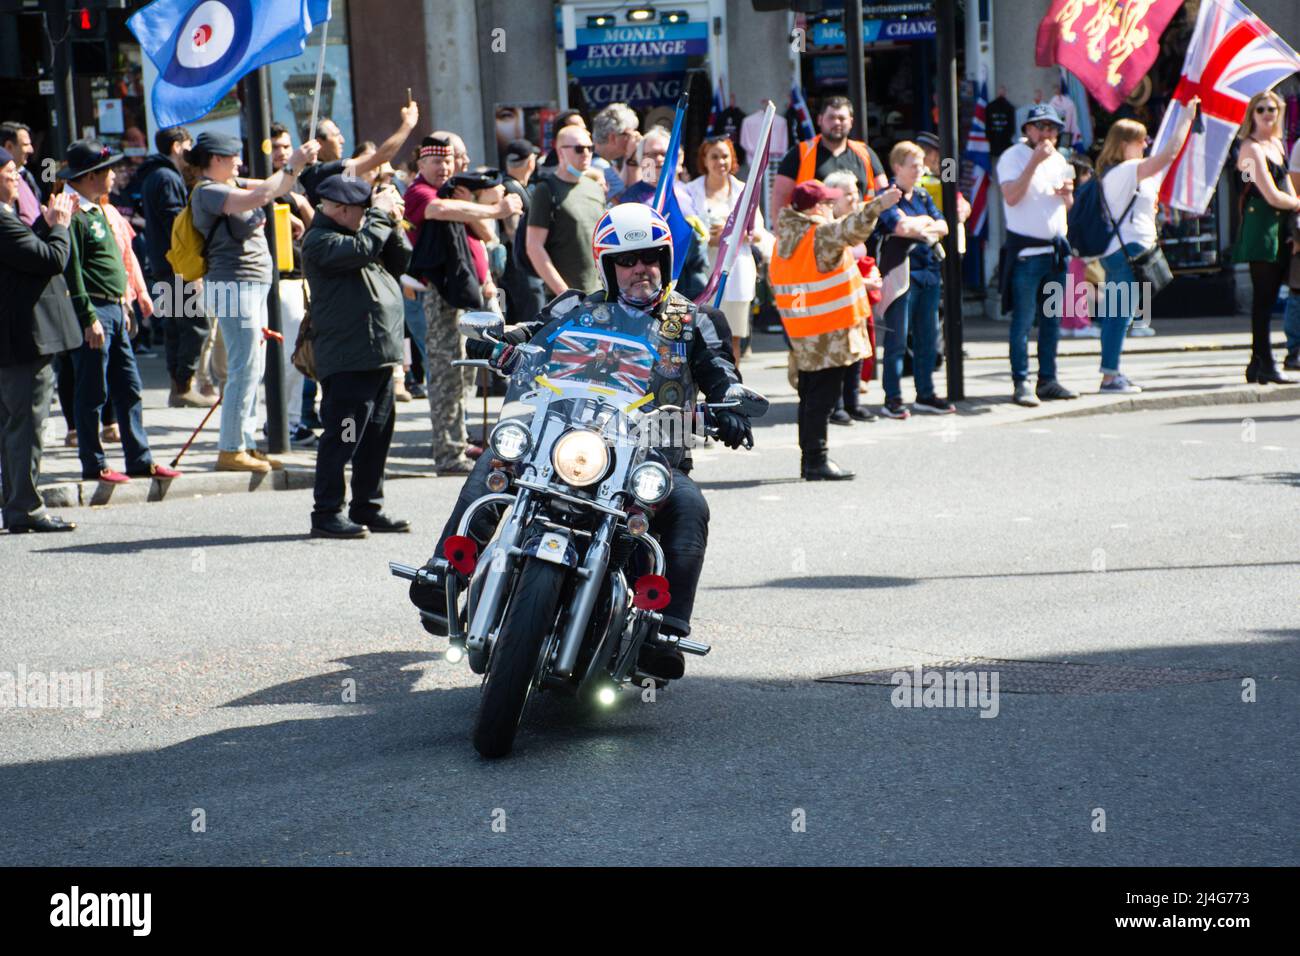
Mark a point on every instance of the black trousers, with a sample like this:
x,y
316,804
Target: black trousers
x,y
818,392
1266,280
851,399
681,524
24,403
357,411
183,335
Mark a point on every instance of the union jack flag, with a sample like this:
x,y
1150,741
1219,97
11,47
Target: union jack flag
x,y
979,167
803,117
1233,55
584,357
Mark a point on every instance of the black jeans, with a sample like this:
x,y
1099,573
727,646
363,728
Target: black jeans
x,y
818,392
183,335
852,380
357,411
681,524
1266,280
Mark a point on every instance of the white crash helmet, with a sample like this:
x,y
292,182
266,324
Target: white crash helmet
x,y
629,227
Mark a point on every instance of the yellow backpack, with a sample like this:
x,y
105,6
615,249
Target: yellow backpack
x,y
188,254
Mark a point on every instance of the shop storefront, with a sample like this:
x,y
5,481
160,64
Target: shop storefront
x,y
644,56
900,48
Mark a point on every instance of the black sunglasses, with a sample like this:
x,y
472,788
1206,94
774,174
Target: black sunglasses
x,y
626,260
580,148
1265,109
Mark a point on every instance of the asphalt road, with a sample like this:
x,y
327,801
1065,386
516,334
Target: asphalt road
x,y
1156,540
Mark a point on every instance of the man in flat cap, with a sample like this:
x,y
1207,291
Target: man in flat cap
x,y
36,323
352,257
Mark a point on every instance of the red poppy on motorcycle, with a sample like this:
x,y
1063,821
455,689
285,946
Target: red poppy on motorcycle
x,y
461,553
651,592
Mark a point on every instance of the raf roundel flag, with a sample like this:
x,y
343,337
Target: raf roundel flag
x,y
202,48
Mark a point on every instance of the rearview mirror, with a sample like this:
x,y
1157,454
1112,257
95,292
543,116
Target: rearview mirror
x,y
482,326
750,403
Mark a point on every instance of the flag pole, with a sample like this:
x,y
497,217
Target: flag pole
x,y
674,148
742,214
320,75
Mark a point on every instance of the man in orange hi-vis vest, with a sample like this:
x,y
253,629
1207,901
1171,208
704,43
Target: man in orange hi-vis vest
x,y
823,306
828,152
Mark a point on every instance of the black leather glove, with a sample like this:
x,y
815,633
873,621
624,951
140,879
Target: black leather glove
x,y
732,428
506,359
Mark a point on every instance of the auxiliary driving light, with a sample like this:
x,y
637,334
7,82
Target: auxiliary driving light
x,y
580,457
510,441
497,482
455,653
650,483
606,696
638,524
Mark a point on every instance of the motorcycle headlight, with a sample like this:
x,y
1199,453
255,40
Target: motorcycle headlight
x,y
650,483
510,441
580,457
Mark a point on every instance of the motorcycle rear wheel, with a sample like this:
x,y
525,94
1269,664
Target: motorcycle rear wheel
x,y
511,670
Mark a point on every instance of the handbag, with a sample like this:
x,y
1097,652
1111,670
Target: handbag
x,y
1150,267
304,347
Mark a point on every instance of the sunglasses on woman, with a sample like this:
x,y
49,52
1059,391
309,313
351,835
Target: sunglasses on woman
x,y
626,260
1265,109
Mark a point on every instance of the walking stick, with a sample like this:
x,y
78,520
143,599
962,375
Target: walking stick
x,y
186,446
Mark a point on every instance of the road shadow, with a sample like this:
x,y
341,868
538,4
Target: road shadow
x,y
706,773
172,544
1265,477
853,582
1235,420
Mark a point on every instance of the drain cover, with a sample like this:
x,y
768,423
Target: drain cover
x,y
1046,677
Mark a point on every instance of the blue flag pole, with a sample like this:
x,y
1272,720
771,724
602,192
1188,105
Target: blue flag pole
x,y
669,173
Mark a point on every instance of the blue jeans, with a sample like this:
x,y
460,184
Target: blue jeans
x,y
104,374
1291,321
240,308
417,325
919,310
1117,300
1028,278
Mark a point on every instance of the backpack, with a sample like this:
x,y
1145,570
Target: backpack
x,y
1089,227
188,254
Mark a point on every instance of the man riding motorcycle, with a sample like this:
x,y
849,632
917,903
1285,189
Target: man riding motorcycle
x,y
632,245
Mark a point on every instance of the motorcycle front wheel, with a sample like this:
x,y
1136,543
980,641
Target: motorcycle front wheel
x,y
528,620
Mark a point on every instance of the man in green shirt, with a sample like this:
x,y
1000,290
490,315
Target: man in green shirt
x,y
565,209
105,363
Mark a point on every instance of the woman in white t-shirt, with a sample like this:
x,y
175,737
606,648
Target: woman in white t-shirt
x,y
715,193
1130,186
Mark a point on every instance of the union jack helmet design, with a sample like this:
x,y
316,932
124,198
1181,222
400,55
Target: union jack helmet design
x,y
626,228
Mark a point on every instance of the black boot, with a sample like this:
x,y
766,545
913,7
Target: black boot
x,y
336,526
664,662
827,471
429,594
1292,360
1252,371
1269,375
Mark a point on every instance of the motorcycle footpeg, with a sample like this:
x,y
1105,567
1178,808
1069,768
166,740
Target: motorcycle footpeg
x,y
684,645
404,571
